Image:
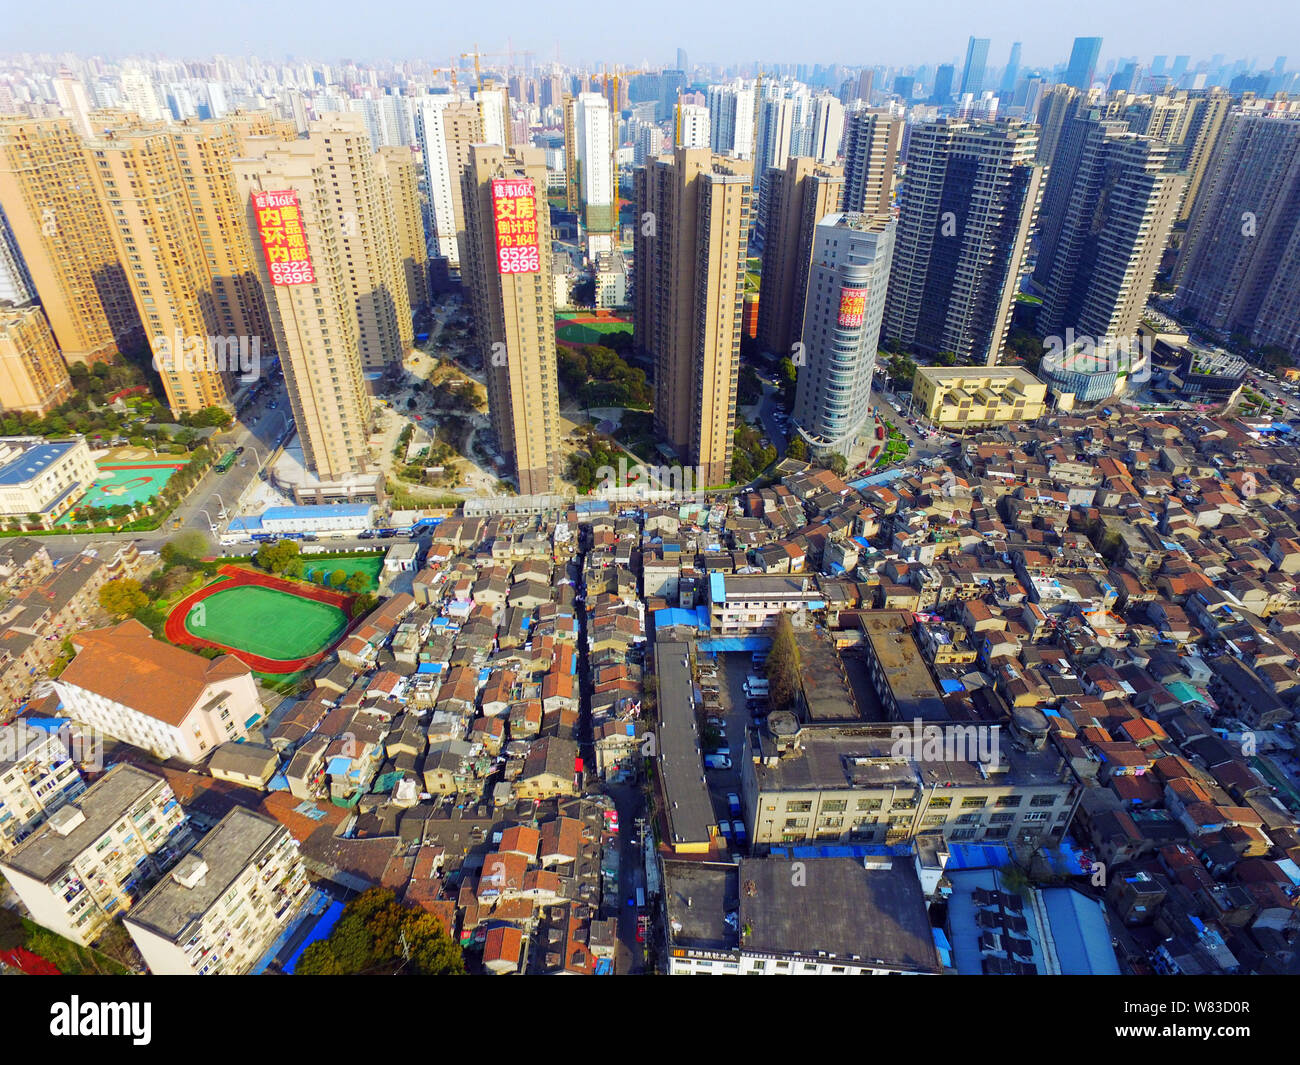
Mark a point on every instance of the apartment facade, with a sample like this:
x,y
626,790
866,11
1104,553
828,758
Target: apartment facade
x,y
63,231
1237,266
95,856
33,375
846,292
316,325
507,269
1107,211
37,776
398,168
963,233
225,903
857,784
445,127
799,196
873,138
688,299
155,696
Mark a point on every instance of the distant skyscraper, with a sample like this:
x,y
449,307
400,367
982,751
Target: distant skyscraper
x,y
800,195
692,126
140,96
872,140
1083,63
683,63
445,127
1057,104
847,282
731,119
825,128
1108,181
1013,70
508,274
689,289
1239,263
71,95
965,214
977,59
866,80
592,132
1125,79
65,236
943,78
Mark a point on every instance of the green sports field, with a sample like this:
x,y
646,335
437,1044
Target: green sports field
x,y
370,566
266,622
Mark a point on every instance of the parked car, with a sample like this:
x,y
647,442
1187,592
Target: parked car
x,y
733,803
725,830
716,761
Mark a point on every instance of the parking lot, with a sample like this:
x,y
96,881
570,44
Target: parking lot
x,y
725,700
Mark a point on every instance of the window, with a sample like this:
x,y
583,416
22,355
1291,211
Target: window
x,y
974,802
1043,800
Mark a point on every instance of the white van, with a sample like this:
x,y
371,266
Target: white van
x,y
756,686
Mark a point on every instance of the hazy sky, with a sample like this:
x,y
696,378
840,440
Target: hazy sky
x,y
629,32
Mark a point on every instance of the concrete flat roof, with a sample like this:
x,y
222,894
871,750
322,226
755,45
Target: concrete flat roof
x,y
226,850
834,910
690,811
46,854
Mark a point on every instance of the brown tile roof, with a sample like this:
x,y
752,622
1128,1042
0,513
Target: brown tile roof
x,y
126,664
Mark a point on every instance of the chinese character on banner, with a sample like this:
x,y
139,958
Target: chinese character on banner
x,y
284,243
514,209
853,306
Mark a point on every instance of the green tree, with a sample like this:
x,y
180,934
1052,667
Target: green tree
x,y
357,583
338,578
379,935
783,668
122,597
796,449
363,604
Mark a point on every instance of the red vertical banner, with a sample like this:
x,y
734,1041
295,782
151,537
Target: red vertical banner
x,y
284,241
853,306
514,210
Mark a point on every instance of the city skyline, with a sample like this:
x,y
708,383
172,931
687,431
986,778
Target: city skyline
x,y
624,37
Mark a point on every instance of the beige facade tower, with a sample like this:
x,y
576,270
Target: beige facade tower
x,y
52,202
398,168
572,183
507,270
688,299
873,139
315,323
33,375
799,197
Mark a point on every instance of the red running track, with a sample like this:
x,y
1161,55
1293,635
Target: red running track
x,y
177,633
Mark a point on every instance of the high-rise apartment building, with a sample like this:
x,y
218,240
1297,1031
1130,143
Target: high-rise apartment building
x,y
1238,266
203,311
507,269
731,119
33,375
291,192
825,128
140,96
73,101
445,127
692,124
15,282
1109,204
872,139
1210,109
800,196
1056,105
494,113
977,60
966,212
847,283
775,143
593,133
690,278
65,237
398,168
1083,63
572,175
37,776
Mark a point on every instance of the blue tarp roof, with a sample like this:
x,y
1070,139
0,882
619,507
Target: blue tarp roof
x,y
721,644
46,724
697,618
949,686
1079,933
322,931
337,510
338,766
717,587
878,478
